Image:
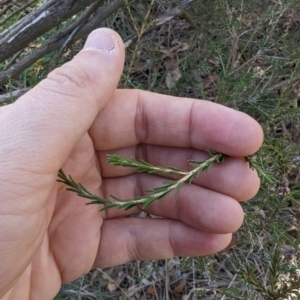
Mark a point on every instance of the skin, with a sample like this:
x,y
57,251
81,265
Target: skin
x,y
72,120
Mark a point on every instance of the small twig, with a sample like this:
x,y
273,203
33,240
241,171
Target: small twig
x,y
77,25
168,187
167,16
13,95
12,61
3,2
139,35
167,280
16,27
233,50
5,8
142,166
281,84
117,285
22,8
156,194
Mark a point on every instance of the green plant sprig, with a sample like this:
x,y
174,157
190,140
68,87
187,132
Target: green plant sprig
x,y
142,166
168,187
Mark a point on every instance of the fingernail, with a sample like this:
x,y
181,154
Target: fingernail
x,y
102,40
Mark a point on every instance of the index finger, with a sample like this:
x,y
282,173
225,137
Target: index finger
x,y
135,117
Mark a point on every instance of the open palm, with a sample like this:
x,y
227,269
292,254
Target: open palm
x,y
49,236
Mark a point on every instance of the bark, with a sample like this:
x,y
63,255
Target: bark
x,y
10,97
4,2
76,30
21,8
39,22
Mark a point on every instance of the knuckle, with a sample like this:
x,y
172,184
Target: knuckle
x,y
133,245
70,76
141,122
171,240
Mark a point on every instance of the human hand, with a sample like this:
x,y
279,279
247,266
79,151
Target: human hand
x,y
71,120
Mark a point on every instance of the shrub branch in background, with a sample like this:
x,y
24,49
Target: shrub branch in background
x,y
43,19
76,18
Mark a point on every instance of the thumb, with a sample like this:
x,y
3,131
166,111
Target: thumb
x,y
49,120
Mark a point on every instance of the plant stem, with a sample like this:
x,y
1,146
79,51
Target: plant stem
x,y
142,166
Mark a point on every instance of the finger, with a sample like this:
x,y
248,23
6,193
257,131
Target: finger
x,y
123,240
223,178
144,117
50,119
195,206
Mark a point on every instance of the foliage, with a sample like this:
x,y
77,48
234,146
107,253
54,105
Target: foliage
x,y
158,193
